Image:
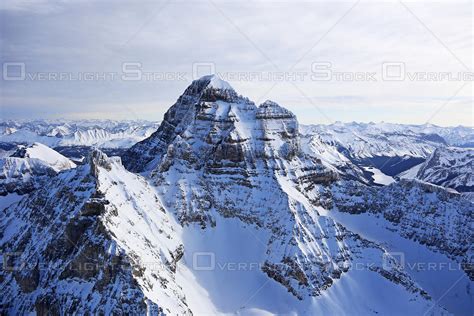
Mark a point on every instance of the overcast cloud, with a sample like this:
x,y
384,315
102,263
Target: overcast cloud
x,y
252,45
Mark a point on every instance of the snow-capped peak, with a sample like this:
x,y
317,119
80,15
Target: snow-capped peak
x,y
43,153
213,81
21,171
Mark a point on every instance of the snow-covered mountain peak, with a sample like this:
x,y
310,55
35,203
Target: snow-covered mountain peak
x,y
217,161
269,104
220,125
210,88
214,82
23,167
97,159
49,156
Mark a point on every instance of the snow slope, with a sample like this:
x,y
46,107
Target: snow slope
x,y
331,158
442,277
237,286
407,214
47,155
379,177
94,239
27,164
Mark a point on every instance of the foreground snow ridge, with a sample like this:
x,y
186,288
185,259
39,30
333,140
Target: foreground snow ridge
x,y
227,208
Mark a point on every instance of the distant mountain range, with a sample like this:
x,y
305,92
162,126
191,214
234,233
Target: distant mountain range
x,y
392,148
60,133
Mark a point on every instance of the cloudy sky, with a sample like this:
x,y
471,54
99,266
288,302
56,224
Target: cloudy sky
x,y
393,61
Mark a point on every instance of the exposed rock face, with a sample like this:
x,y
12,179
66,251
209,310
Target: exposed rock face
x,y
449,167
425,213
175,122
84,241
217,154
217,125
270,110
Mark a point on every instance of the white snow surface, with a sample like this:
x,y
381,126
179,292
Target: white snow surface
x,y
410,173
366,140
440,276
9,199
49,156
27,164
379,177
99,133
143,230
217,83
237,286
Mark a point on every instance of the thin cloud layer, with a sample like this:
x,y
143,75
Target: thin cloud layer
x,y
75,53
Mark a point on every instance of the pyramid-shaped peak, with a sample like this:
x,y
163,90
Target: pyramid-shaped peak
x,y
211,88
209,83
269,103
213,81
